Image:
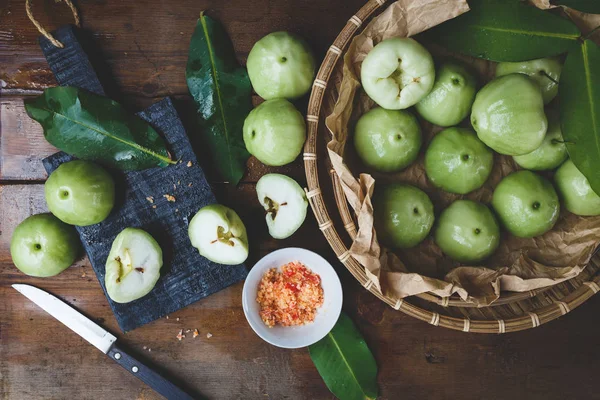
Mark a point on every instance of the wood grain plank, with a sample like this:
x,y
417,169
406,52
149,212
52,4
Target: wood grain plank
x,y
144,44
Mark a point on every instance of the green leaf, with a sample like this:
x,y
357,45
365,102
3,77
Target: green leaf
x,y
96,128
586,6
505,30
345,362
579,93
222,92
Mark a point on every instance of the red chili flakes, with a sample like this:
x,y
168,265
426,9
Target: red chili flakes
x,y
290,297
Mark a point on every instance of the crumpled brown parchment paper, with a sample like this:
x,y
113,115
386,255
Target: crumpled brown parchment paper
x,y
518,264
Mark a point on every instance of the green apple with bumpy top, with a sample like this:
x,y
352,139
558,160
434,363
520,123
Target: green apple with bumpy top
x,y
42,245
274,132
387,140
80,193
281,65
397,73
285,203
575,190
219,235
403,215
451,98
526,203
457,161
544,71
551,153
132,266
508,115
467,231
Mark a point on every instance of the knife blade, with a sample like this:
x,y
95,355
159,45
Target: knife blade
x,y
81,325
101,339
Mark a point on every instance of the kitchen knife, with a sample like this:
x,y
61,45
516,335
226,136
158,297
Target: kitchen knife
x,y
101,339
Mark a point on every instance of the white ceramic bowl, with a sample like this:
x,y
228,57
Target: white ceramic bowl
x,y
293,337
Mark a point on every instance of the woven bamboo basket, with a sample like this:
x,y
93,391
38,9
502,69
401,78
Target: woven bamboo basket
x,y
510,313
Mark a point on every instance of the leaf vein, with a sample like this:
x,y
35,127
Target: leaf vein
x,y
116,138
345,361
217,90
530,33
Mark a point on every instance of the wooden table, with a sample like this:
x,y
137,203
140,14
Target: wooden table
x,y
143,47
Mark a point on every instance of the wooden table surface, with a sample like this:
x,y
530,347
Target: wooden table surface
x,y
142,49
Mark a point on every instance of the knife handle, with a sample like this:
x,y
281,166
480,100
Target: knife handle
x,y
147,375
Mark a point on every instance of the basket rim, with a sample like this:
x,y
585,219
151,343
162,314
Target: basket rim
x,y
316,200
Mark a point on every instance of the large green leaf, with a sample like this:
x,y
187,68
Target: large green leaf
x,y
505,30
222,92
586,6
345,362
579,93
96,128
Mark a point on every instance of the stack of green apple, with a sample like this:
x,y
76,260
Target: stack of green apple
x,y
507,116
281,68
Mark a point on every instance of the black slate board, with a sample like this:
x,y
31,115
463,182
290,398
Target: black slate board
x,y
186,277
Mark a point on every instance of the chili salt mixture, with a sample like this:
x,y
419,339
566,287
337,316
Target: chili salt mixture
x,y
290,297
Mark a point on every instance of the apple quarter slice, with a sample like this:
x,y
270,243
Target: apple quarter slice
x,y
285,203
219,235
133,265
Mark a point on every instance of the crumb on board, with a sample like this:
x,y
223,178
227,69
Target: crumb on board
x,y
179,182
154,206
145,347
190,184
167,317
180,335
83,275
189,164
177,210
149,349
177,318
150,199
187,330
169,198
209,335
195,334
174,187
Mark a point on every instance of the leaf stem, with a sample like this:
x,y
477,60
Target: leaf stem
x,y
590,33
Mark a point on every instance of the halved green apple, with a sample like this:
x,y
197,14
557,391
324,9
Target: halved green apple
x,y
219,235
285,203
133,265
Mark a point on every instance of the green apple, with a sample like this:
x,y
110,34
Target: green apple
x,y
551,153
403,215
132,266
387,140
274,132
526,203
508,115
451,98
80,193
575,190
457,161
281,65
545,72
285,204
397,73
467,231
42,245
219,235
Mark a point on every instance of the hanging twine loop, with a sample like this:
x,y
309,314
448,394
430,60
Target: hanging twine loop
x,y
43,31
